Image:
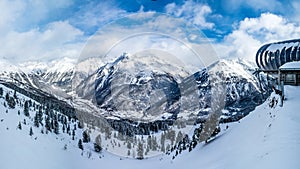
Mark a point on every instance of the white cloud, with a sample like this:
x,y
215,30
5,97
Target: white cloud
x,y
23,39
97,14
57,40
18,14
146,31
251,33
36,10
194,12
10,11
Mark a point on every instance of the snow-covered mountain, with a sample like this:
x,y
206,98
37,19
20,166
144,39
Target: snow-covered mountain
x,y
32,85
58,73
143,89
124,91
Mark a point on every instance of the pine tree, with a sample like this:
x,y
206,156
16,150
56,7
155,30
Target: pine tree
x,y
20,126
140,151
80,125
128,144
65,147
15,95
40,116
154,144
97,144
56,127
97,148
48,124
172,135
52,124
68,129
65,120
80,146
179,137
162,142
7,97
86,137
1,91
73,135
107,132
26,108
63,128
36,120
98,140
10,101
149,142
30,131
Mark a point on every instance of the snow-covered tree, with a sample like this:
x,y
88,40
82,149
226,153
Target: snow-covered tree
x,y
107,132
10,101
68,128
80,124
30,131
140,151
80,146
73,135
56,127
128,144
63,128
7,97
179,137
86,137
15,95
20,126
162,142
48,124
154,144
1,91
97,144
26,108
36,120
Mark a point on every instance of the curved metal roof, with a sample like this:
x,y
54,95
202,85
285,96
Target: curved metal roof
x,y
271,56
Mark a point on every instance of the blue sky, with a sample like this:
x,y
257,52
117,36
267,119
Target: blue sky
x,y
46,30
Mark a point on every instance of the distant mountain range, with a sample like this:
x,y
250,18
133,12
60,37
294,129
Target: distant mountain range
x,y
135,98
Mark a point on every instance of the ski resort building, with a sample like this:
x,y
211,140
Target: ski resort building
x,y
289,73
282,60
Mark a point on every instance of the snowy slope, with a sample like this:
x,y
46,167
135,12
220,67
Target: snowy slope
x,y
267,138
20,150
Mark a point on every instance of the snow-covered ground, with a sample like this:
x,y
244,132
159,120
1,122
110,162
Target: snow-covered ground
x,y
266,138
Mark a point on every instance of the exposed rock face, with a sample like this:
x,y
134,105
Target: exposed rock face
x,y
243,92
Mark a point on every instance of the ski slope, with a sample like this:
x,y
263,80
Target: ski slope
x,y
266,138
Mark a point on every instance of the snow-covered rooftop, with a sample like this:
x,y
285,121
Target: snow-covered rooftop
x,y
291,66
